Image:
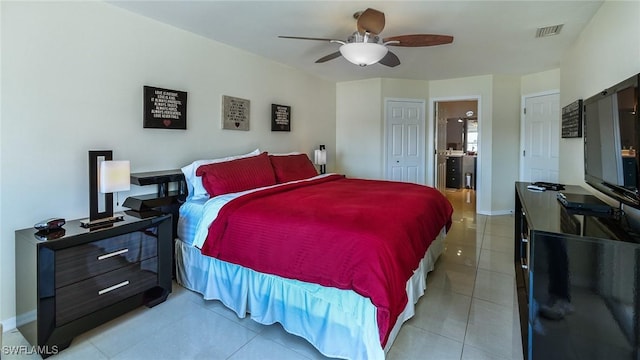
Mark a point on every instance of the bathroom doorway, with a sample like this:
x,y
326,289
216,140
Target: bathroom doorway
x,y
457,150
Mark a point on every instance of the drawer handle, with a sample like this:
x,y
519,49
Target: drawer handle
x,y
115,253
111,288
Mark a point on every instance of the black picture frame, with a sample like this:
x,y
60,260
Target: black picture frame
x,y
164,108
572,120
280,117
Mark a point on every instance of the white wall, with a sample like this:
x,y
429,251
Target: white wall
x,y
540,82
72,78
406,89
506,142
359,132
360,122
3,258
607,52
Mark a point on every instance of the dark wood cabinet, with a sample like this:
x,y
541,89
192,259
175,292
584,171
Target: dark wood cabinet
x,y
454,172
75,279
577,276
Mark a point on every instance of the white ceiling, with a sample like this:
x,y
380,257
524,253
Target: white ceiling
x,y
490,37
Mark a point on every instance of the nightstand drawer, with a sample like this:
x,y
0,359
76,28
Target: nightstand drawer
x,y
85,297
85,261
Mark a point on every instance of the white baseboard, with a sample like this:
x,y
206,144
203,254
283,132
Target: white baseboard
x,y
8,324
496,213
502,212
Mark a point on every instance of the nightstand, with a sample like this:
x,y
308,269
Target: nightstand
x,y
71,281
163,201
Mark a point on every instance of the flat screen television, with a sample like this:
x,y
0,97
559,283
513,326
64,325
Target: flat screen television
x,y
612,142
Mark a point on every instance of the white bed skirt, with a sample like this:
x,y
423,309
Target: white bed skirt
x,y
339,323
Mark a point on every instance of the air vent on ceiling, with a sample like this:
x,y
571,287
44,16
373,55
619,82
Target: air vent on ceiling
x,y
549,30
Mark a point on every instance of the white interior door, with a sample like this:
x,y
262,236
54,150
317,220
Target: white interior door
x,y
405,136
539,157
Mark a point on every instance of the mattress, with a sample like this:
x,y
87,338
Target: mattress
x,y
190,215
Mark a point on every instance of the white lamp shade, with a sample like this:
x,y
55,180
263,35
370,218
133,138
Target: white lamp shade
x,y
114,176
363,54
320,157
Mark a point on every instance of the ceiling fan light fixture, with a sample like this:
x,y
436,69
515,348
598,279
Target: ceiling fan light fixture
x,y
363,54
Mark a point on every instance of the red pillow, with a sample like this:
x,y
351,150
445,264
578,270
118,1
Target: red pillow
x,y
292,167
237,175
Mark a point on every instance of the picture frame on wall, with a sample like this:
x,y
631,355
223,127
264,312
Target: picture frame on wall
x,y
164,108
280,117
572,120
236,113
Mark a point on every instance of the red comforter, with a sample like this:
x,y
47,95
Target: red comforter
x,y
363,235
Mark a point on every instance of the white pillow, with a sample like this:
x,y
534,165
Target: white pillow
x,y
286,154
194,183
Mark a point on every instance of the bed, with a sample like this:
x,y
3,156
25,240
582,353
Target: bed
x,y
340,262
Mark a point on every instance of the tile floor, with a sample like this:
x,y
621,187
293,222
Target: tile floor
x,y
468,312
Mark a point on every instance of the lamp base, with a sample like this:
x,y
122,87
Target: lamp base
x,y
89,224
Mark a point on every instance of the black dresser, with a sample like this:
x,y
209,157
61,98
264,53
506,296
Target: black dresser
x,y
454,172
74,279
577,279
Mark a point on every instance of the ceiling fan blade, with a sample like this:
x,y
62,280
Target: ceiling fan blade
x,y
304,38
329,57
371,20
416,40
390,60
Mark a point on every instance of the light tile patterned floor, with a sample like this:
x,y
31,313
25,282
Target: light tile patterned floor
x,y
469,312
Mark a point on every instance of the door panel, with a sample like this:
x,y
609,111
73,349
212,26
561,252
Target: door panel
x,y
405,159
396,140
412,140
540,156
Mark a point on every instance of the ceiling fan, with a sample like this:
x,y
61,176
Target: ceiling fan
x,y
365,46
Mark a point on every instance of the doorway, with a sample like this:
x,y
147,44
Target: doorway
x,y
457,147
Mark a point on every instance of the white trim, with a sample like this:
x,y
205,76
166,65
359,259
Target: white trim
x,y
542,93
431,144
496,213
424,136
523,102
9,324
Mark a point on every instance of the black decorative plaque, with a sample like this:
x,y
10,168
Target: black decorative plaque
x,y
572,120
164,108
280,117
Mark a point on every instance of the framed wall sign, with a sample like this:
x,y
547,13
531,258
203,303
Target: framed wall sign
x,y
572,120
164,108
280,117
235,113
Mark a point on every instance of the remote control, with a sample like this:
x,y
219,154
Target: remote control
x,y
535,188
